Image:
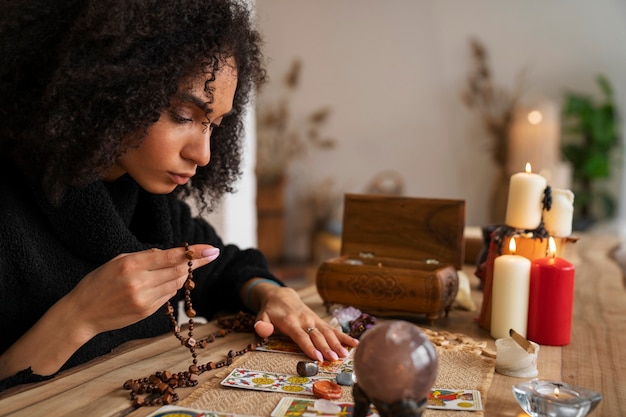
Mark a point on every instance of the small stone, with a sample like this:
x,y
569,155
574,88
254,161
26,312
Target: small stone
x,y
307,368
326,389
345,315
345,378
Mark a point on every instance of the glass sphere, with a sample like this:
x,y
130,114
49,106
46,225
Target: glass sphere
x,y
395,361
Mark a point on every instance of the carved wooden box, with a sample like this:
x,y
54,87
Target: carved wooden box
x,y
399,256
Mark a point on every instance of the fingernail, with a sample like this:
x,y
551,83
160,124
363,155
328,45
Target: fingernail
x,y
333,355
318,355
344,352
210,253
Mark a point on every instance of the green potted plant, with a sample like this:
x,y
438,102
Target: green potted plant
x,y
591,134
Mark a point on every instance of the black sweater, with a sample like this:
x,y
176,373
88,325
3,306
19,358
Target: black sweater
x,y
46,250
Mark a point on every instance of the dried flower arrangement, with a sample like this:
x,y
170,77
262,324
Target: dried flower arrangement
x,y
281,140
494,104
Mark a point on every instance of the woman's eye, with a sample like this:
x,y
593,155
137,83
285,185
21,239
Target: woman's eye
x,y
178,118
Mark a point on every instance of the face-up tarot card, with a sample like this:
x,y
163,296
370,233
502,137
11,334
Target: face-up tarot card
x,y
335,367
302,407
270,381
447,399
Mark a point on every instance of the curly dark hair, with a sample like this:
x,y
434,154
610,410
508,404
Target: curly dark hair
x,y
79,76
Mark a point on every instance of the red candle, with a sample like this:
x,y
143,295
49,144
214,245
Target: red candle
x,y
551,299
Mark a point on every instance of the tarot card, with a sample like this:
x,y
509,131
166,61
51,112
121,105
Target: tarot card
x,y
176,411
280,344
284,344
270,381
462,399
301,407
334,367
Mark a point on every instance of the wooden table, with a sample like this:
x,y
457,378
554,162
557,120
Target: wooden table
x,y
595,359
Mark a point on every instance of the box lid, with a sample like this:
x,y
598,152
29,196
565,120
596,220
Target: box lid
x,y
403,227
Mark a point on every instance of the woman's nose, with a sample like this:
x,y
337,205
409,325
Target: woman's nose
x,y
199,149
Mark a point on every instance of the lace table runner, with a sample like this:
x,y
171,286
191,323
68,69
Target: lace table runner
x,y
463,364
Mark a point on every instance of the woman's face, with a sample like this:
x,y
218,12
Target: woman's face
x,y
179,141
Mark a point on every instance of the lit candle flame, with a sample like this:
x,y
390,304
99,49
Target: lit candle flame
x,y
512,246
551,247
528,168
556,392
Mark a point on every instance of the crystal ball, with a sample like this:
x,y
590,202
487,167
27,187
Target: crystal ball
x,y
395,361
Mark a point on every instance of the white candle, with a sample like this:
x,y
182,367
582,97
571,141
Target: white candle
x,y
558,220
509,296
524,204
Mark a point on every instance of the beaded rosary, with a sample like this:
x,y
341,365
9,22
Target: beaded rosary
x,y
159,388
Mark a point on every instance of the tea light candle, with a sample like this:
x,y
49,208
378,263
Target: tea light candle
x,y
558,220
524,204
551,299
509,294
552,398
557,393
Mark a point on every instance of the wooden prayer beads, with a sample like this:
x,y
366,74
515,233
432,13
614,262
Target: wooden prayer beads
x,y
159,388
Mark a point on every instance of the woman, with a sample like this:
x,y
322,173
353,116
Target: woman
x,y
110,111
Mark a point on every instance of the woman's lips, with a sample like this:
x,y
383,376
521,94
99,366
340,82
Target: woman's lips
x,y
180,179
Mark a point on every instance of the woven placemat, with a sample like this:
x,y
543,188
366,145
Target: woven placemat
x,y
458,369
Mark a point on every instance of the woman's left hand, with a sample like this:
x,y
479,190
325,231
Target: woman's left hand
x,y
282,310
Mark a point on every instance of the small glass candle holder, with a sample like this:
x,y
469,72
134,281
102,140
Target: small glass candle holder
x,y
544,398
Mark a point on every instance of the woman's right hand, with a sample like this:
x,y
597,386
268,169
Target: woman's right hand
x,y
128,288
132,286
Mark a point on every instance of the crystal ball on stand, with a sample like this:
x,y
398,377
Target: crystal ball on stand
x,y
395,366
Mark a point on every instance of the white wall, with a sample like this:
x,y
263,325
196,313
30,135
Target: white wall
x,y
235,218
393,70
